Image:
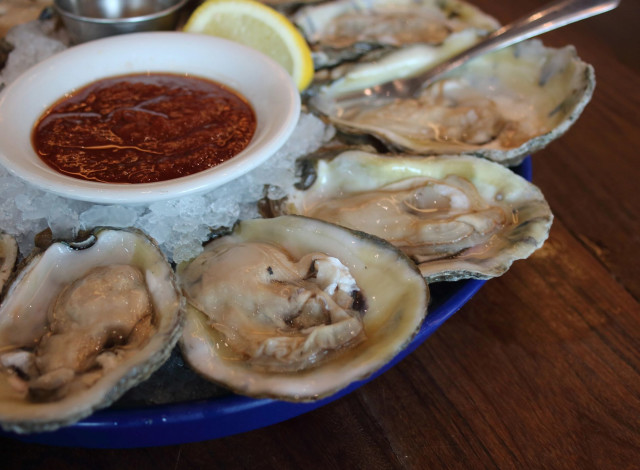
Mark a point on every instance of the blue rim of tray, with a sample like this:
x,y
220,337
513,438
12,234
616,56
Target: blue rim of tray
x,y
233,414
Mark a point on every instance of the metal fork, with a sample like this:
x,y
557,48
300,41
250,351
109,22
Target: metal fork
x,y
547,18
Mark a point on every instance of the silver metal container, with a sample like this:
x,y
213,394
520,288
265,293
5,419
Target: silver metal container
x,y
93,19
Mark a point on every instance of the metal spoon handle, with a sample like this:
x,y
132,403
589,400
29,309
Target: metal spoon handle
x,y
551,16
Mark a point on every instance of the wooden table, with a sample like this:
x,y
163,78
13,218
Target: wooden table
x,y
541,369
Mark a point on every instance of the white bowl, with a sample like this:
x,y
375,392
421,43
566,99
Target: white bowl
x,y
261,80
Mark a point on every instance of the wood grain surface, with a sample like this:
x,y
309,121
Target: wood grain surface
x,y
541,369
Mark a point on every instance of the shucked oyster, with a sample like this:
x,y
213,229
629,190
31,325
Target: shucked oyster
x,y
501,106
457,217
297,308
81,324
346,29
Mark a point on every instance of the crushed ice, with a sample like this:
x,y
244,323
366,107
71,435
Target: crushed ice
x,y
178,225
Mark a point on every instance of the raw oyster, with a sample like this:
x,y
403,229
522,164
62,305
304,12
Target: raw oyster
x,y
296,308
456,216
82,323
501,106
346,29
8,257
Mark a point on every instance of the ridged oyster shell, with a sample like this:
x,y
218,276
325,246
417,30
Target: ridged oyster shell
x,y
345,30
8,257
262,318
456,216
501,106
82,323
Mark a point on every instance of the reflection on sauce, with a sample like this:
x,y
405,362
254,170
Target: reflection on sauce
x,y
144,128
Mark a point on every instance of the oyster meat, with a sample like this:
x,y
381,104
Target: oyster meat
x,y
501,106
296,308
347,29
456,216
81,324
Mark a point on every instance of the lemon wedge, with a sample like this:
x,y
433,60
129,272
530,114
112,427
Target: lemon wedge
x,y
260,27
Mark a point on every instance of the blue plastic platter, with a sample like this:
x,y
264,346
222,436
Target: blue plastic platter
x,y
232,414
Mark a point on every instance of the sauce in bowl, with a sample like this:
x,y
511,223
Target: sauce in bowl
x,y
144,128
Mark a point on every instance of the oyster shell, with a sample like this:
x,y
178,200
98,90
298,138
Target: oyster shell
x,y
501,106
8,257
456,216
296,308
347,29
82,323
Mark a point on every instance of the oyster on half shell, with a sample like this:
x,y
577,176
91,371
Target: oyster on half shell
x,y
501,106
345,30
456,216
82,323
296,308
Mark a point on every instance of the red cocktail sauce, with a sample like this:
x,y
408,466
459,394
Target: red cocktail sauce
x,y
144,128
